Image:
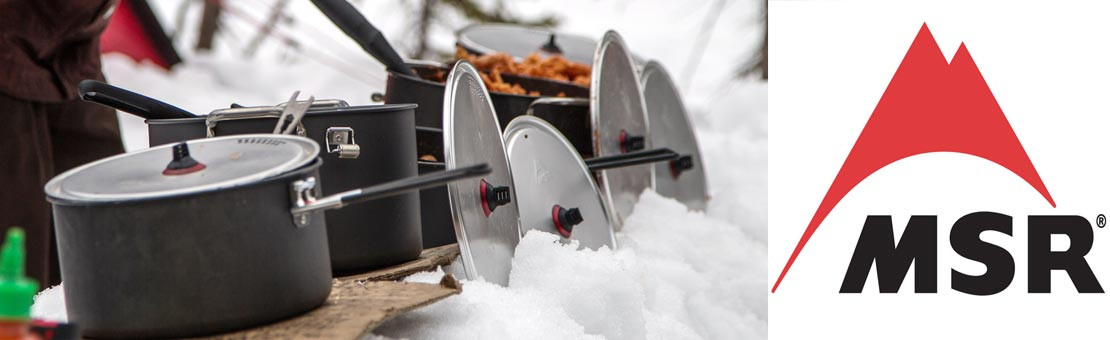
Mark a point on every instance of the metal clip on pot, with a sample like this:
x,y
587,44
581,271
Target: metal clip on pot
x,y
631,158
305,202
341,140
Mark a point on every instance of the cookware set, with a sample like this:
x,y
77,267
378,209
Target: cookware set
x,y
237,217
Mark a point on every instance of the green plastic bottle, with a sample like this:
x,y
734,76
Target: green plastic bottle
x,y
17,292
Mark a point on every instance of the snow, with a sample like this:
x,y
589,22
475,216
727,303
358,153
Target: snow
x,y
678,274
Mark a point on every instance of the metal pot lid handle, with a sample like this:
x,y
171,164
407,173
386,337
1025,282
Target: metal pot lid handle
x,y
557,190
619,124
172,169
487,233
305,201
682,179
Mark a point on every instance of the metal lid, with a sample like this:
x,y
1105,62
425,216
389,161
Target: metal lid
x,y
552,177
682,179
220,162
488,233
617,114
520,41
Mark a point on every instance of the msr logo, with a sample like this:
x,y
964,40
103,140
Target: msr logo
x,y
930,105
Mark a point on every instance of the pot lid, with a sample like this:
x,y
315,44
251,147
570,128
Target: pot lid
x,y
682,179
520,41
189,167
619,124
557,193
487,222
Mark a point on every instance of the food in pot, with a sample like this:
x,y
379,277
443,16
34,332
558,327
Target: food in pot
x,y
553,67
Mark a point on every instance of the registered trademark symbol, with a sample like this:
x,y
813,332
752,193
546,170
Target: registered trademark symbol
x,y
1100,221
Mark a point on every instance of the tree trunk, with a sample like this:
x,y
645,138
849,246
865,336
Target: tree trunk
x,y
209,24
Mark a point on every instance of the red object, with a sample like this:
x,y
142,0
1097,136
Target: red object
x,y
559,223
930,105
485,201
135,32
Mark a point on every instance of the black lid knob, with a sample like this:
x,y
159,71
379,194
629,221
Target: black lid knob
x,y
493,196
182,163
565,219
630,142
683,163
550,47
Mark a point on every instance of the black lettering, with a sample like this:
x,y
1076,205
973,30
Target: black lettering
x,y
1042,260
918,247
966,241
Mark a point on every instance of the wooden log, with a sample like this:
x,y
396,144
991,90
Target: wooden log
x,y
353,309
429,260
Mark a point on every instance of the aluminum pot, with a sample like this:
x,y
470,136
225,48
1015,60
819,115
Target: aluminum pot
x,y
230,234
364,145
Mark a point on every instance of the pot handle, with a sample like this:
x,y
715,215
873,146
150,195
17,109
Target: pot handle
x,y
556,101
127,101
631,158
305,201
350,21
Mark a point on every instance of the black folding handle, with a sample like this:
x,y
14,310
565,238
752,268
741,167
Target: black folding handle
x,y
631,158
392,188
351,22
416,183
127,101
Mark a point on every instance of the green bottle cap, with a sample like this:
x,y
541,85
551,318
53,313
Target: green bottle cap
x,y
17,292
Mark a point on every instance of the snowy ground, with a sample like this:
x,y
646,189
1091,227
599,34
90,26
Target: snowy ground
x,y
678,275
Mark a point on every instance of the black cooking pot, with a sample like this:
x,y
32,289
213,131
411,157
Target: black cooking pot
x,y
230,234
365,145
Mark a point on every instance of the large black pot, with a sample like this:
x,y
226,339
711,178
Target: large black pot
x,y
235,239
383,234
428,94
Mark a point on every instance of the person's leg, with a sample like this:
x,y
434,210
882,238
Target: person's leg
x,y
25,166
81,132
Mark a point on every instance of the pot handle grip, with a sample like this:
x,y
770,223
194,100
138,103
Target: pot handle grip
x,y
350,21
631,158
127,101
304,202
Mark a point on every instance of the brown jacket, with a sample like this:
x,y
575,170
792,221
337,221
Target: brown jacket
x,y
48,46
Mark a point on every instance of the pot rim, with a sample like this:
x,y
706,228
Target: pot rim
x,y
360,109
312,165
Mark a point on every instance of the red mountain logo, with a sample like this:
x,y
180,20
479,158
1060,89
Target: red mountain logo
x,y
930,105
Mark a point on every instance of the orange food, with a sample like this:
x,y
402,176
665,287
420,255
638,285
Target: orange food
x,y
553,67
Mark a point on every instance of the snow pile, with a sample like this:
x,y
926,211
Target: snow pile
x,y
677,275
50,305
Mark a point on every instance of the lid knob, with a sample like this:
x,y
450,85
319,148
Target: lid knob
x,y
630,142
565,219
182,163
683,163
493,196
550,47
17,292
